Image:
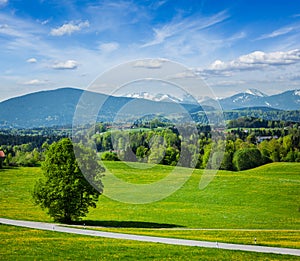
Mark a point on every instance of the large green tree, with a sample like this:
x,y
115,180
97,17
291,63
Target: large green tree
x,y
64,191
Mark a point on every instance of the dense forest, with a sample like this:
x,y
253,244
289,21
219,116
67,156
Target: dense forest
x,y
25,147
246,143
254,146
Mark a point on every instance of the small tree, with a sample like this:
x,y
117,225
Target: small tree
x,y
247,158
64,192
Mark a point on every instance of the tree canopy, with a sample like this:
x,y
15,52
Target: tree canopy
x,y
247,158
64,191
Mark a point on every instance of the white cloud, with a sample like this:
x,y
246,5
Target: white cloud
x,y
108,47
185,75
31,60
34,82
280,31
253,61
10,31
67,65
190,24
69,28
21,35
44,22
158,4
150,63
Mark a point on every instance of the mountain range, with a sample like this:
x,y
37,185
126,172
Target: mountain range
x,y
57,107
289,100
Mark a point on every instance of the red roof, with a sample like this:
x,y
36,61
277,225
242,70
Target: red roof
x,y
2,154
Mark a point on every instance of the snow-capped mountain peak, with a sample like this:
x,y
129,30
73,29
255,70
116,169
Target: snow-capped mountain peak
x,y
256,92
153,97
161,97
242,97
297,92
288,100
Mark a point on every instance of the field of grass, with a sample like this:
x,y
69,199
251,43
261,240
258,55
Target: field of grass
x,y
15,194
261,203
29,244
265,197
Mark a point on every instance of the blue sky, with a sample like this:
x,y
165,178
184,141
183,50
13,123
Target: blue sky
x,y
232,45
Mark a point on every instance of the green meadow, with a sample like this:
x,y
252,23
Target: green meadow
x,y
29,244
266,197
236,207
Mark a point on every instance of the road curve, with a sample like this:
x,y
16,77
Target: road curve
x,y
163,240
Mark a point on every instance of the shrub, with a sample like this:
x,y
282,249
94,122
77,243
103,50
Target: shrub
x,y
247,158
110,156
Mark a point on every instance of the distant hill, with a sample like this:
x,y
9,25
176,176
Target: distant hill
x,y
40,109
57,107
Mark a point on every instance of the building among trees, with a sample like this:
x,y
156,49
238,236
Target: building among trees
x,y
2,157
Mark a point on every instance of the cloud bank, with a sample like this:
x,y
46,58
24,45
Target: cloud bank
x,y
253,61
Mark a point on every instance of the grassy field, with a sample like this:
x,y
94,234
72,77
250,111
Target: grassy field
x,y
29,244
15,194
266,197
236,207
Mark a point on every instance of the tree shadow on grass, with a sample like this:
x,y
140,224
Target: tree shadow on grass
x,y
125,224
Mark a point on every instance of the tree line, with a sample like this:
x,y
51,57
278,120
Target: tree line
x,y
26,147
163,143
268,114
243,149
252,122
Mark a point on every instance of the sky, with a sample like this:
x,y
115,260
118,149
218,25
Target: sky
x,y
231,45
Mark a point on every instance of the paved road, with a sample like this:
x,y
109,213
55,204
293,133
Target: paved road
x,y
172,241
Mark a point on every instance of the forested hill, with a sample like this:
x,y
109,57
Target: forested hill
x,y
46,108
